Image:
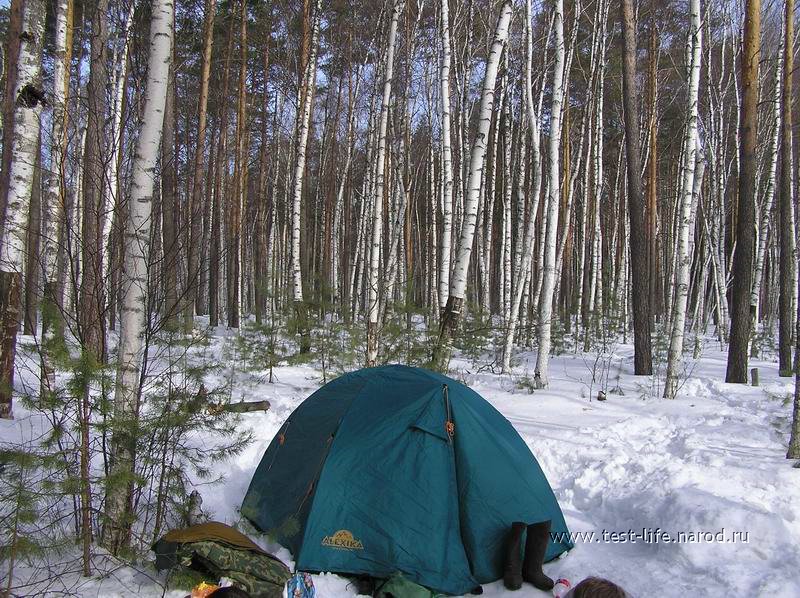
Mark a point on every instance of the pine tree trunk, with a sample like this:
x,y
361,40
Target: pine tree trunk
x,y
169,204
220,176
640,273
29,101
236,205
119,518
788,255
191,292
742,269
95,155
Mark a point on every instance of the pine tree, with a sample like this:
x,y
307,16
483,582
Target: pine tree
x,y
742,270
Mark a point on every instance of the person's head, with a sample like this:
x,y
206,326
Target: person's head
x,y
596,587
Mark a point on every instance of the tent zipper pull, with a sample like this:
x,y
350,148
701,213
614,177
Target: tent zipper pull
x,y
449,426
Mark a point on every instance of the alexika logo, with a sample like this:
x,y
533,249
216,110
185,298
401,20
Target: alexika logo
x,y
343,540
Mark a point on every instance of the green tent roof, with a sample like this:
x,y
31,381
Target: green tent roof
x,y
365,477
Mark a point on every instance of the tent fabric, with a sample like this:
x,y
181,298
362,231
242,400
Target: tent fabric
x,y
399,469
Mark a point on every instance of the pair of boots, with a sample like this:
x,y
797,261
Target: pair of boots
x,y
529,569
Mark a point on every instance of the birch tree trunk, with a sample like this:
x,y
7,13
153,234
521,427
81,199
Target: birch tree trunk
x,y
447,161
685,225
788,253
10,61
29,100
764,221
53,209
742,270
111,215
553,201
119,518
458,284
523,268
304,124
380,181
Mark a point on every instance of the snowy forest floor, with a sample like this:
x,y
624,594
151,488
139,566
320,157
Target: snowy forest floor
x,y
712,460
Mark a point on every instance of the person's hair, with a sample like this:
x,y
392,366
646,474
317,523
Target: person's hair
x,y
229,592
597,587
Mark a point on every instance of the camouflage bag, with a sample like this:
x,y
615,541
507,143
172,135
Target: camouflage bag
x,y
221,551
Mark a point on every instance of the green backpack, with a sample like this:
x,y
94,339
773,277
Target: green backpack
x,y
398,586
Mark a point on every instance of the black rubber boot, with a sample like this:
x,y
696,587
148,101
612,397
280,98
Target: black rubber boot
x,y
535,548
512,576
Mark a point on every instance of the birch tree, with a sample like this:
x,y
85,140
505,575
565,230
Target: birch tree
x,y
458,283
373,307
765,218
134,295
53,212
447,160
553,201
28,104
685,225
523,267
304,124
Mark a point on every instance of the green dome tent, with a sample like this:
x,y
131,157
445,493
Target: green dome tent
x,y
397,468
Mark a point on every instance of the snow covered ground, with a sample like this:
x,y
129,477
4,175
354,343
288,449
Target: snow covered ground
x,y
707,465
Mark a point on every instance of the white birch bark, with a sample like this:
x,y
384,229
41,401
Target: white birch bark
x,y
111,200
53,207
505,237
486,199
769,192
350,139
28,104
137,247
553,200
447,161
596,298
377,223
683,258
459,279
304,121
522,274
